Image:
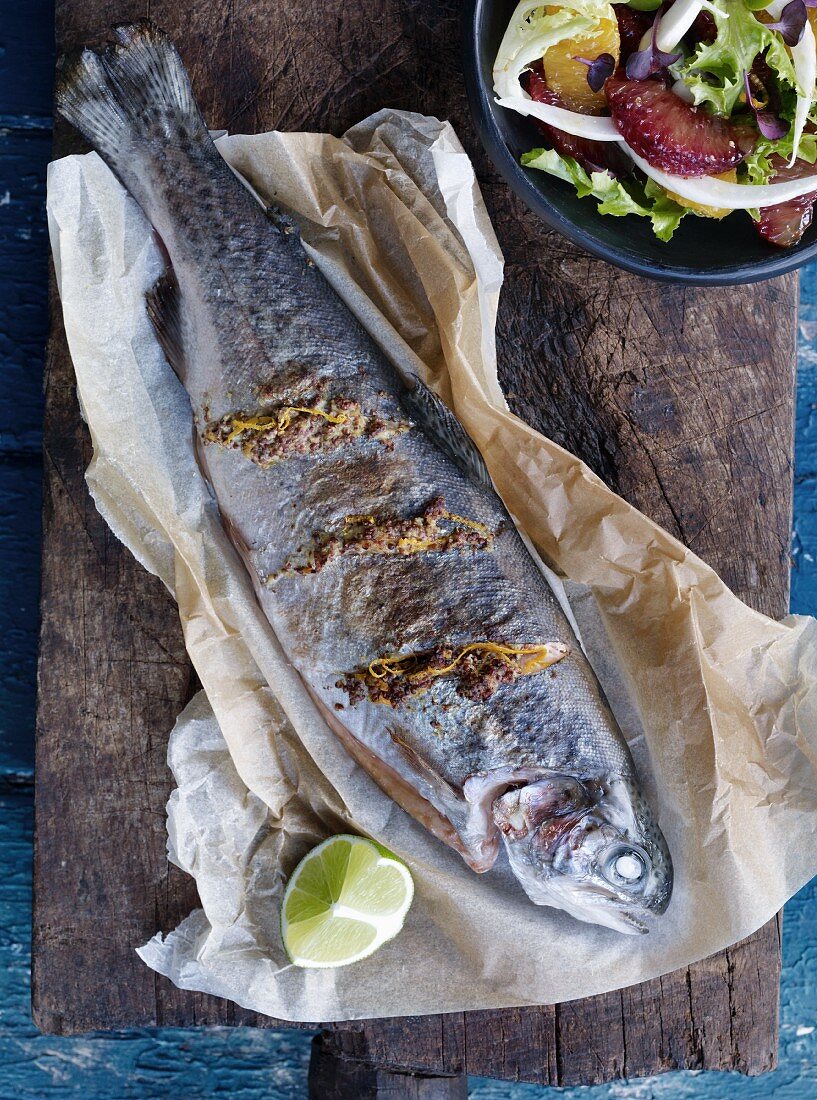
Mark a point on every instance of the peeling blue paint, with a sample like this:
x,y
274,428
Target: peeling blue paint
x,y
244,1064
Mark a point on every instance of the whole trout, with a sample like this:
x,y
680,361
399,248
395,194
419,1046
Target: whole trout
x,y
386,563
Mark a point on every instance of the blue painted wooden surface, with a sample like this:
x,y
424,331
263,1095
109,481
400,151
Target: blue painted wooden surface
x,y
239,1063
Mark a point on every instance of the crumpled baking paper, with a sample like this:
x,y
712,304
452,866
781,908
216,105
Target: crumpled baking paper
x,y
718,702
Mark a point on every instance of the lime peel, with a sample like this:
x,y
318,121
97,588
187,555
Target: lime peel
x,y
344,900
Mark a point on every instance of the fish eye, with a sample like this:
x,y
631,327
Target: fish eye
x,y
625,866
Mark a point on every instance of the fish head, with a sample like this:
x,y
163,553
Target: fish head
x,y
590,847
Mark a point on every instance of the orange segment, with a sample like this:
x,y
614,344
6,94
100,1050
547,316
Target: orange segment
x,y
568,78
708,211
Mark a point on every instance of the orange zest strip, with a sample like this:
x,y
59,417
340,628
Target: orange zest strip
x,y
540,657
341,418
281,421
480,528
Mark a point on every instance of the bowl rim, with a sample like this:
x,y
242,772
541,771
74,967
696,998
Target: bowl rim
x,y
517,178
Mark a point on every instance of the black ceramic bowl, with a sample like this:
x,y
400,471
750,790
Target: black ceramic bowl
x,y
702,250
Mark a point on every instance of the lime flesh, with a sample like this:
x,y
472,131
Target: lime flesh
x,y
345,899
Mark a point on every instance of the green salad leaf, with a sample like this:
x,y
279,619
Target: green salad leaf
x,y
614,196
714,72
758,167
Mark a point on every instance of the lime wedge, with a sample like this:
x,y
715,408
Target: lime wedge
x,y
345,899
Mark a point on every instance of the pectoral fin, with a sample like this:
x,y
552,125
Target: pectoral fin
x,y
412,790
478,838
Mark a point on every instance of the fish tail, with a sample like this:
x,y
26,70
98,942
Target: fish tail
x,y
134,90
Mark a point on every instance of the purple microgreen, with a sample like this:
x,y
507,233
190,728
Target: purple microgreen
x,y
600,70
792,22
770,124
811,3
651,60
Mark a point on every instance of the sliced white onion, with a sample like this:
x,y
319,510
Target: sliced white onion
x,y
521,44
804,59
673,26
804,56
595,127
708,191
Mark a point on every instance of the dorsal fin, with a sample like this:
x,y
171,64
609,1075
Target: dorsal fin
x,y
476,831
443,427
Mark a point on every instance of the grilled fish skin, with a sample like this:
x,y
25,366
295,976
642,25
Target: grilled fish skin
x,y
387,565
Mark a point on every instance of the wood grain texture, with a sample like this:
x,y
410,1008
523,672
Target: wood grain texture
x,y
680,398
334,1076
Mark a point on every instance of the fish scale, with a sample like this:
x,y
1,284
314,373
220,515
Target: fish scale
x,y
428,665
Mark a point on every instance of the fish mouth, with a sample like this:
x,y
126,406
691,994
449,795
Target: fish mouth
x,y
635,924
617,918
602,908
616,913
621,918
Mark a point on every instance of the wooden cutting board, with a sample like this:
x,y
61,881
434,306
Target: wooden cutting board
x,y
681,399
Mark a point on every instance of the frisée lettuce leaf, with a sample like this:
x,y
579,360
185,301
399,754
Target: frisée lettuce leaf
x,y
758,165
533,29
714,73
614,196
758,168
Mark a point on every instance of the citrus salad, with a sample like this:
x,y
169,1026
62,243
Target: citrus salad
x,y
661,110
